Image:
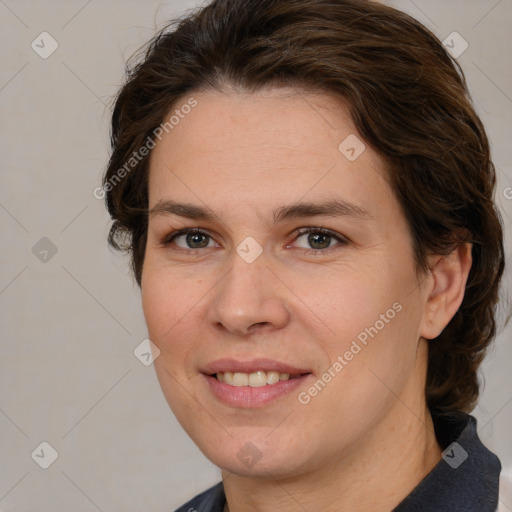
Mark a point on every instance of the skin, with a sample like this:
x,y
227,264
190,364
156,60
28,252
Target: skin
x,y
366,439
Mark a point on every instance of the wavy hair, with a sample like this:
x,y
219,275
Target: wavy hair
x,y
408,99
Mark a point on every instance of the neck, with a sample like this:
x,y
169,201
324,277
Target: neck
x,y
375,476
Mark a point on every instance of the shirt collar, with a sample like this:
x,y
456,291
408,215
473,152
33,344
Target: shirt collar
x,y
465,479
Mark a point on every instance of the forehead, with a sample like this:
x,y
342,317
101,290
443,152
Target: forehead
x,y
270,147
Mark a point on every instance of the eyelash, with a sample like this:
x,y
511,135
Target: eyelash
x,y
167,240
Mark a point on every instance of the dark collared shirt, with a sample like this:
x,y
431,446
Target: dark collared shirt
x,y
466,479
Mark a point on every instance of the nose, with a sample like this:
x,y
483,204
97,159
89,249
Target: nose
x,y
249,298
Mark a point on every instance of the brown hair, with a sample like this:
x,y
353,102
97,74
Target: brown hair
x,y
408,99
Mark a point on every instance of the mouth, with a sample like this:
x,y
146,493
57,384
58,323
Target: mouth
x,y
252,383
255,379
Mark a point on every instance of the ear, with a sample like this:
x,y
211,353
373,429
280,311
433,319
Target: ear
x,y
445,292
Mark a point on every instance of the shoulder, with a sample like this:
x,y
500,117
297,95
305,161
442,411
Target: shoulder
x,y
211,500
505,494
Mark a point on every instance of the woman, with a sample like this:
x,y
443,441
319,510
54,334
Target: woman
x,y
306,193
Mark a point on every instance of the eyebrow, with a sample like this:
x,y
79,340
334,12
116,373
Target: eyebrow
x,y
332,208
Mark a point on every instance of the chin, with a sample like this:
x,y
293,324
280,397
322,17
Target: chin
x,y
256,456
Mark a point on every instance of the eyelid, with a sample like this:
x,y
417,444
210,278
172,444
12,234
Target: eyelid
x,y
167,239
325,231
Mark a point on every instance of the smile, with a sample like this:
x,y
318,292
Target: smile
x,y
255,383
254,380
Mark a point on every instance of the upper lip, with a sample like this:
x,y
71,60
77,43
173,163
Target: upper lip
x,y
251,366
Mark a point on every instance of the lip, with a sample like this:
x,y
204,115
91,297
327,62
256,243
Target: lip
x,y
266,365
247,396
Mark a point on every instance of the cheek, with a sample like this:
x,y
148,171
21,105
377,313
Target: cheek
x,y
370,320
157,298
169,317
365,377
174,308
164,305
350,300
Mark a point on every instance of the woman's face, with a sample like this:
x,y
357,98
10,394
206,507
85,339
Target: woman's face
x,y
259,291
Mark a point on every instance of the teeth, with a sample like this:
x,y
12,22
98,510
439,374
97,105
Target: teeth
x,y
240,379
254,380
226,377
272,377
257,379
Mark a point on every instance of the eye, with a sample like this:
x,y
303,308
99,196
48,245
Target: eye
x,y
190,239
320,239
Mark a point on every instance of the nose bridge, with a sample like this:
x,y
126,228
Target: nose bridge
x,y
248,295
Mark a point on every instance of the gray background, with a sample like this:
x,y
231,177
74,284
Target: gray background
x,y
69,325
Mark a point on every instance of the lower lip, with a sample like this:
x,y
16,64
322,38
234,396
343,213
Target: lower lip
x,y
246,396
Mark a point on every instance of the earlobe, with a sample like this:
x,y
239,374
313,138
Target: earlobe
x,y
449,276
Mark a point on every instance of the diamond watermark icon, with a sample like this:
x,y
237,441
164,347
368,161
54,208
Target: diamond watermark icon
x,y
44,45
455,44
44,250
45,455
249,455
352,147
249,249
454,455
146,352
